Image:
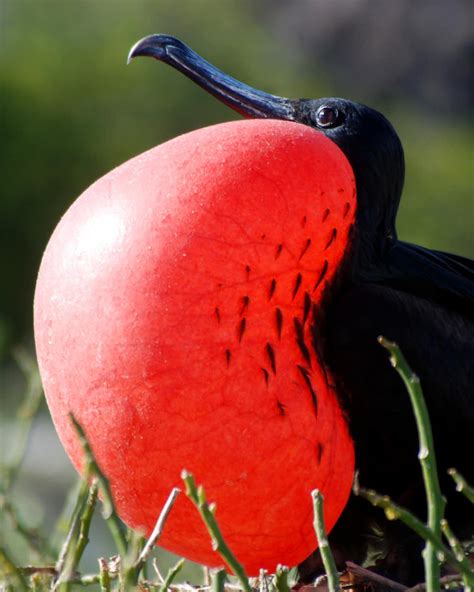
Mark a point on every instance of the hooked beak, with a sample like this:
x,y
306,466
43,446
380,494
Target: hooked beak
x,y
238,96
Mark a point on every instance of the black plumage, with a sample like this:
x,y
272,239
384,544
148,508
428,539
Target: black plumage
x,y
420,298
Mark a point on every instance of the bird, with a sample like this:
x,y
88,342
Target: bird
x,y
420,298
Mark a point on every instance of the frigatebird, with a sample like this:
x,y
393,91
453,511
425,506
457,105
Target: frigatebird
x,y
420,298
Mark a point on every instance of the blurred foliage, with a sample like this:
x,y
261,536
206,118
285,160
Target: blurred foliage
x,y
71,110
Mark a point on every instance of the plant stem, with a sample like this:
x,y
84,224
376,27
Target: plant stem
x,y
129,567
263,580
462,485
87,580
157,570
63,523
435,500
71,538
451,582
323,543
367,577
25,416
104,576
393,512
37,583
170,576
280,581
30,570
85,523
218,580
458,552
11,572
218,543
109,513
160,523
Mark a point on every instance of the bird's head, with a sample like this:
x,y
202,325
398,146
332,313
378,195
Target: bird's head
x,y
366,137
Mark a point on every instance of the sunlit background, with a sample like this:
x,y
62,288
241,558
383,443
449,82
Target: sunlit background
x,y
71,110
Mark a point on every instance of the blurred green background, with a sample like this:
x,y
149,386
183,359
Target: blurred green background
x,y
71,110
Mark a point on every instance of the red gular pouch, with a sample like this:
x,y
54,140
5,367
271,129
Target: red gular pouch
x,y
173,316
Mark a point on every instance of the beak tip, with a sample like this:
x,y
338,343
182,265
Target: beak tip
x,y
154,46
137,50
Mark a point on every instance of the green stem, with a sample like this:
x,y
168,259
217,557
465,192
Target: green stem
x,y
458,552
70,541
63,523
130,567
104,576
37,583
25,416
323,543
395,512
44,570
218,580
462,485
84,524
170,576
435,500
280,581
87,580
109,513
219,545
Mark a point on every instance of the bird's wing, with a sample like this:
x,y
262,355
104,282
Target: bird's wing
x,y
461,266
436,275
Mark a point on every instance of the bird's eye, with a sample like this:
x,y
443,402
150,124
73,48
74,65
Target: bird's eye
x,y
327,116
